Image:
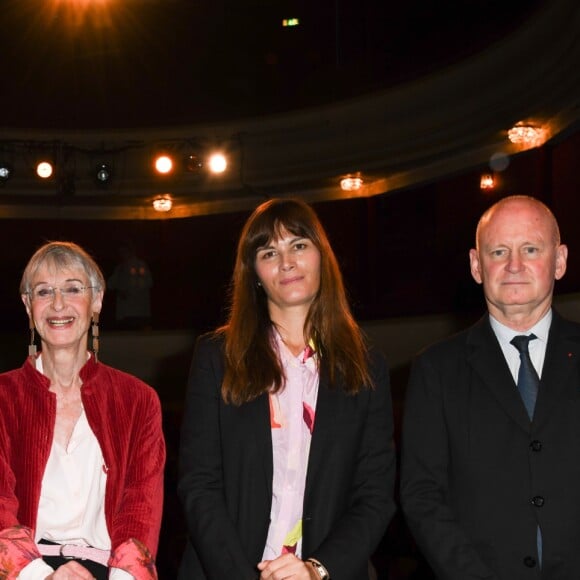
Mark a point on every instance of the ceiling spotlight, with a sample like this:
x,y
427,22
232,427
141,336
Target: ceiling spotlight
x,y
217,163
44,169
5,172
526,134
163,164
163,203
351,183
103,174
193,163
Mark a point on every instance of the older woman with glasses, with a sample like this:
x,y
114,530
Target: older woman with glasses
x,y
81,445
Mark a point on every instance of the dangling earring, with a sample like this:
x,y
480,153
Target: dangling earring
x,y
95,335
31,346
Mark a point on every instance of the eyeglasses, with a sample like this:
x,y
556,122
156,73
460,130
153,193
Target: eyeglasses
x,y
70,292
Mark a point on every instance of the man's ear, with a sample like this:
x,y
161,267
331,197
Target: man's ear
x,y
561,261
475,266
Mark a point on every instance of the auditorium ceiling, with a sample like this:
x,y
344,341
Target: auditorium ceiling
x,y
298,95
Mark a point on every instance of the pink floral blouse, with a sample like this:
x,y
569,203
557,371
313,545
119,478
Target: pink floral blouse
x,y
292,414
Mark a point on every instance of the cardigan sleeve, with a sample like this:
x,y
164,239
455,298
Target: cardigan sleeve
x,y
8,499
17,550
17,546
125,415
137,515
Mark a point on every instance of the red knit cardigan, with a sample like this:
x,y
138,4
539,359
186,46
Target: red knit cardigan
x,y
125,416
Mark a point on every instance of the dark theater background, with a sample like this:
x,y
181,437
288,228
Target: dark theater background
x,y
417,105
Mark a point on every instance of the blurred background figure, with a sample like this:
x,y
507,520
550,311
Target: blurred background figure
x,y
132,281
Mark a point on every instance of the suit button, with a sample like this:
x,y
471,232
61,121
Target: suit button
x,y
538,501
536,445
529,562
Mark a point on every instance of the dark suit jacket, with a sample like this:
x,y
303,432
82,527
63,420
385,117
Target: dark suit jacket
x,y
477,476
226,468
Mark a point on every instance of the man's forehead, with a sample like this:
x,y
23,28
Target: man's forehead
x,y
517,219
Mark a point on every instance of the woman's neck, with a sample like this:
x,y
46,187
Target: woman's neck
x,y
291,331
63,367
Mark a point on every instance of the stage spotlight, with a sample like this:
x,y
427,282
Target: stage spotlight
x,y
103,174
163,164
193,163
217,163
5,172
44,169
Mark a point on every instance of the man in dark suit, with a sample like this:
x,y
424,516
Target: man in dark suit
x,y
491,446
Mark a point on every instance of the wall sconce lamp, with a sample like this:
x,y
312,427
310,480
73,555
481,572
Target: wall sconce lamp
x,y
487,182
163,203
351,183
526,135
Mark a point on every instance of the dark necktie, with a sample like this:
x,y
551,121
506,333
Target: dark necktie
x,y
528,380
528,383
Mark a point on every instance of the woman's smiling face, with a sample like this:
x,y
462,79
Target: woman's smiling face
x,y
62,319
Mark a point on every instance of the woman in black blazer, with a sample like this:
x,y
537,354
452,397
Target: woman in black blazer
x,y
286,459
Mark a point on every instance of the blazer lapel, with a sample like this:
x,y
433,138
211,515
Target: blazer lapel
x,y
259,423
490,366
324,427
562,357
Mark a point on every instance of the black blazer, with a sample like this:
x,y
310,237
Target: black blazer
x,y
477,476
226,469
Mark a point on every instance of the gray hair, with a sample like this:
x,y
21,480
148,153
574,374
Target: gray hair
x,y
62,255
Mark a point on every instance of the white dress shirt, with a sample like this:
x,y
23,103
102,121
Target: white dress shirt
x,y
72,498
537,347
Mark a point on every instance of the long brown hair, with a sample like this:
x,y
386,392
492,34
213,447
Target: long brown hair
x,y
252,364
